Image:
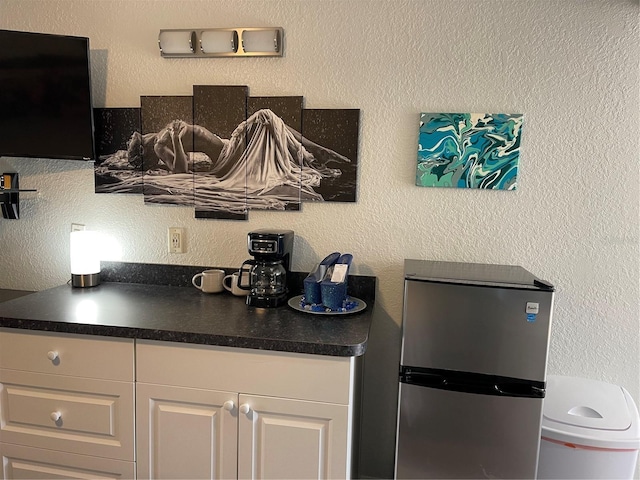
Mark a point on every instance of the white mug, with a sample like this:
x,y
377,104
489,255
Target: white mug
x,y
230,282
211,281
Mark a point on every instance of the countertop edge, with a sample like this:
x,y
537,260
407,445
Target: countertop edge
x,y
325,349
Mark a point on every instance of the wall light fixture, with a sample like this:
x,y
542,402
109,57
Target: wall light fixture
x,y
222,42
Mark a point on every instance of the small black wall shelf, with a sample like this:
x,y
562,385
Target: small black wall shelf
x,y
10,195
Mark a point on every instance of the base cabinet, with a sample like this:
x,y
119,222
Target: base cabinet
x,y
74,406
247,428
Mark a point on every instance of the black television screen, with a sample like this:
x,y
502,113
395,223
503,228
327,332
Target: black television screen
x,y
45,96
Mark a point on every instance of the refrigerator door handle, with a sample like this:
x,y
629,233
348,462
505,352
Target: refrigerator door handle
x,y
472,382
518,389
423,379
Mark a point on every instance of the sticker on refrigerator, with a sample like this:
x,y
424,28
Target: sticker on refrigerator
x,y
532,311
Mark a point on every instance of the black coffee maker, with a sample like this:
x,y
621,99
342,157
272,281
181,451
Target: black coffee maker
x,y
267,272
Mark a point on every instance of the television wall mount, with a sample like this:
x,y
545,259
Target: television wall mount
x,y
10,195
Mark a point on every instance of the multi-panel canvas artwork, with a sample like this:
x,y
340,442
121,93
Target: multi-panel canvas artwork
x,y
469,150
226,153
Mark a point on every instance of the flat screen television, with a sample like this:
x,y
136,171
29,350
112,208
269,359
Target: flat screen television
x,y
45,96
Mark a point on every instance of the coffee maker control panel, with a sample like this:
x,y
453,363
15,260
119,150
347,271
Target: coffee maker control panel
x,y
270,245
263,246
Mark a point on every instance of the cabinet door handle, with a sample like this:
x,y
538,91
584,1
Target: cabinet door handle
x,y
228,405
55,416
52,355
245,408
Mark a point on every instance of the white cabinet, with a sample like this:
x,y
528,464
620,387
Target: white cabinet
x,y
79,406
272,414
69,395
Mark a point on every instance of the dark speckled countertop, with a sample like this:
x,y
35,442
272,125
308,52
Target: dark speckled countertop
x,y
11,294
146,310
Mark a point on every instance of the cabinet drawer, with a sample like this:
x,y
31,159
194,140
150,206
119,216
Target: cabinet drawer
x,y
73,355
91,417
278,374
18,461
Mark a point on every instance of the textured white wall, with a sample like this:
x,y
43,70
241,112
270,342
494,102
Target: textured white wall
x,y
571,66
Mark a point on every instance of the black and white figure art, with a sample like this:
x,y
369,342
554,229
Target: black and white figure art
x,y
227,153
289,110
337,131
218,109
116,170
167,123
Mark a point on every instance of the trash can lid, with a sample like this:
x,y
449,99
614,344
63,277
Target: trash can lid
x,y
590,412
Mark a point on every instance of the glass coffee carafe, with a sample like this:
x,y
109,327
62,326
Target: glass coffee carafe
x,y
267,282
268,279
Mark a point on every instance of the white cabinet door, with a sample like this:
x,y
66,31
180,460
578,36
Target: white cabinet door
x,y
292,439
185,433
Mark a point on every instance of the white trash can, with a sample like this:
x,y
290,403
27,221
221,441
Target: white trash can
x,y
590,430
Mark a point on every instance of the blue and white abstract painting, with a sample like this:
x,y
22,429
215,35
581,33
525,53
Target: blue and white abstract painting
x,y
469,150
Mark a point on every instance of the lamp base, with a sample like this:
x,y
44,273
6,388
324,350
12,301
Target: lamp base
x,y
85,280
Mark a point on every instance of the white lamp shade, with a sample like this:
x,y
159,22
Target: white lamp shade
x,y
176,42
217,41
262,40
85,252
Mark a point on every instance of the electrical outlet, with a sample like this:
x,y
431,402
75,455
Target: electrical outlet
x,y
176,240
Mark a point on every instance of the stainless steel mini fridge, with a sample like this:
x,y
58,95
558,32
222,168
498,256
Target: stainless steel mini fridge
x,y
472,371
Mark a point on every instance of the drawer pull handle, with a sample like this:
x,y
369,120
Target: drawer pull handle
x,y
245,408
55,416
52,355
228,405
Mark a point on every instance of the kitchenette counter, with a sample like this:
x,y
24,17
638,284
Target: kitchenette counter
x,y
184,314
100,379
11,294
